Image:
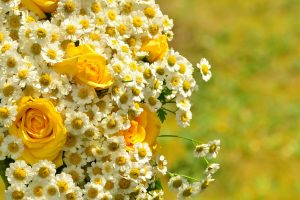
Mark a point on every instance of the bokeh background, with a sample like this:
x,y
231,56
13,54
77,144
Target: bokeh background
x,y
253,101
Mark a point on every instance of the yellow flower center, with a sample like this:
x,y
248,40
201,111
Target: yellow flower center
x,y
187,192
62,186
71,29
41,32
96,171
153,29
142,152
121,160
85,23
14,21
136,91
124,183
205,69
109,185
110,31
83,93
182,68
19,174
4,113
51,191
71,196
8,90
149,12
1,37
175,81
160,70
38,191
45,79
5,48
92,193
122,29
69,7
212,148
184,117
127,7
77,123
44,172
75,159
147,73
186,86
17,195
11,62
52,54
89,133
36,49
152,101
111,124
124,99
96,7
137,21
171,60
134,173
98,181
111,15
99,21
23,74
75,176
177,183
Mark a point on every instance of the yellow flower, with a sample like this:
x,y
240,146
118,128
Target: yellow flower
x,y
145,128
156,48
41,129
40,7
86,66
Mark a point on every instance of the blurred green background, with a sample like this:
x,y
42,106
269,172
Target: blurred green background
x,y
253,101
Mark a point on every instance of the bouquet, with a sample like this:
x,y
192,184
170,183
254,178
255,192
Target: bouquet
x,y
85,86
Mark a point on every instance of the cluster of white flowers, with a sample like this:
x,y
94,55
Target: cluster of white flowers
x,y
130,39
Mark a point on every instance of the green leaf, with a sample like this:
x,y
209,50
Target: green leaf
x,y
4,164
155,186
165,92
162,114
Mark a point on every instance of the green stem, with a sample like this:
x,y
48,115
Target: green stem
x,y
184,176
169,110
180,137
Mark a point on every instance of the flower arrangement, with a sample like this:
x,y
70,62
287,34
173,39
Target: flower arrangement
x,y
84,89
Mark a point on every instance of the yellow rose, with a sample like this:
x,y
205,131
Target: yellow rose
x,y
41,129
145,128
157,48
40,7
86,66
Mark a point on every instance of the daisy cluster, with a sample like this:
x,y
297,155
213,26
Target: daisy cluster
x,y
100,158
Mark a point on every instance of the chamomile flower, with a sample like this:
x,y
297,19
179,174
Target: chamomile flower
x,y
77,158
7,114
19,173
142,152
205,67
212,168
37,190
16,192
51,190
183,118
12,146
188,191
201,150
44,170
64,182
205,182
214,147
76,172
162,164
52,53
76,122
92,191
176,183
